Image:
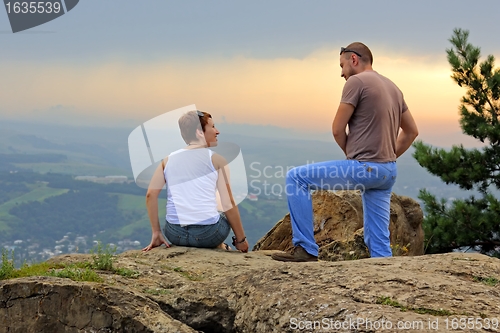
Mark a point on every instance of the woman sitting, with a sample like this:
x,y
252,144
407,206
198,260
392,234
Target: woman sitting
x,y
194,175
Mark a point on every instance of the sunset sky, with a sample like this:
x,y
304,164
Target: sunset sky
x,y
122,62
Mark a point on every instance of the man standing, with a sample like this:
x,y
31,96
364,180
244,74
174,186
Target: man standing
x,y
374,109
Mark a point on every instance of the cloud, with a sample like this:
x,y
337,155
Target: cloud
x,y
286,92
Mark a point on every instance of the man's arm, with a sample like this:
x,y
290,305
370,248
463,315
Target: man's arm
x,y
409,132
339,125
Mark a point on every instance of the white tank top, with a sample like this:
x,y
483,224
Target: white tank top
x,y
191,187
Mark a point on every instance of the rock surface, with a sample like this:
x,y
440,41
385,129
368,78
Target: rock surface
x,y
187,290
338,227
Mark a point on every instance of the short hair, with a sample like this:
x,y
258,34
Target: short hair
x,y
366,54
190,122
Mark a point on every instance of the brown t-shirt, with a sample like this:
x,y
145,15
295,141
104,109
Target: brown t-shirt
x,y
374,125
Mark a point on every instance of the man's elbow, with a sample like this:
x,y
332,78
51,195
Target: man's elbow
x,y
338,132
410,132
414,133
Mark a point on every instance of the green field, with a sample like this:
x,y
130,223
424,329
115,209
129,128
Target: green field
x,y
131,202
246,204
138,203
39,192
131,229
135,203
73,168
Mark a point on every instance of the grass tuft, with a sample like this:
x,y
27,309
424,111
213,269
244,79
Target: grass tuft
x,y
188,275
400,250
385,300
76,274
102,259
7,266
125,272
489,281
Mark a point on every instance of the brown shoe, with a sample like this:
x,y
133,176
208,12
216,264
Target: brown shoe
x,y
298,254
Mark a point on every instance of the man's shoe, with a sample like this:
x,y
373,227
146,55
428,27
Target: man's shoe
x,y
298,254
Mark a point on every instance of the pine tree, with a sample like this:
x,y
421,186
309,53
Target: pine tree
x,y
473,222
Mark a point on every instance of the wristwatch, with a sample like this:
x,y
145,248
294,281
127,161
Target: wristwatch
x,y
235,241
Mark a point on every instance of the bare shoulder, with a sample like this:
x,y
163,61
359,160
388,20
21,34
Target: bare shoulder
x,y
218,161
164,162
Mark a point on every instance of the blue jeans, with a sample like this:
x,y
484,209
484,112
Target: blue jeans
x,y
207,236
374,180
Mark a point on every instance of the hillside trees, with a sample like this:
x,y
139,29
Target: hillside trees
x,y
83,212
474,222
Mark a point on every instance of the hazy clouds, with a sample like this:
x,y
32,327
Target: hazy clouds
x,y
254,62
158,29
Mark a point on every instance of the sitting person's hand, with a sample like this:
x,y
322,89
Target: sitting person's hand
x,y
242,245
156,240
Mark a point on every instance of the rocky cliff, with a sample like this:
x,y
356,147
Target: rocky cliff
x,y
213,291
188,290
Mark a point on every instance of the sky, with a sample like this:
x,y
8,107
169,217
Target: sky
x,y
273,62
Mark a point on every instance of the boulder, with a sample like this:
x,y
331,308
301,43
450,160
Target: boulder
x,y
338,227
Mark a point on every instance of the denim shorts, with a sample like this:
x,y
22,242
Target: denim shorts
x,y
207,236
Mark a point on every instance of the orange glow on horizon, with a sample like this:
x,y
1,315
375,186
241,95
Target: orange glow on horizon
x,y
294,93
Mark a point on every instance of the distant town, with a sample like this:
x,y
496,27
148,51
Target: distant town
x,y
105,180
29,251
